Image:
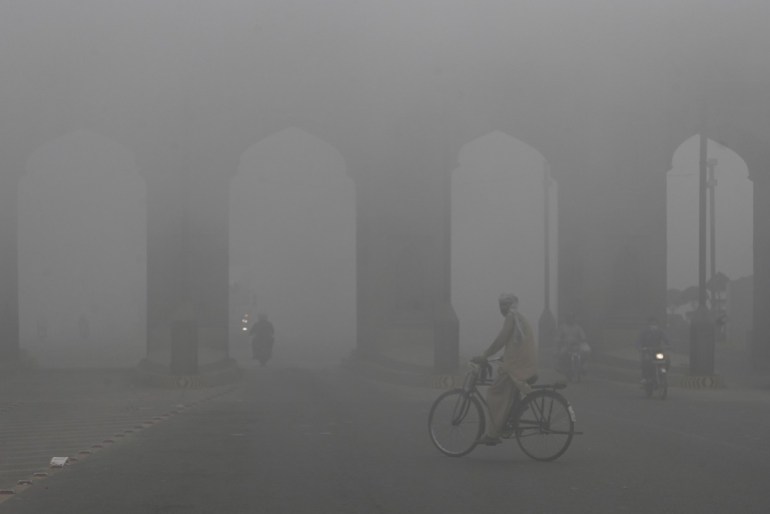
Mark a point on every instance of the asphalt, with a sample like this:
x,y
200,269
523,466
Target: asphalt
x,y
73,413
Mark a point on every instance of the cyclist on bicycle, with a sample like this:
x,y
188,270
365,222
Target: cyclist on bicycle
x,y
517,371
570,336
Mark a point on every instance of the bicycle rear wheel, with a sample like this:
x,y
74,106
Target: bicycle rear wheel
x,y
545,425
456,422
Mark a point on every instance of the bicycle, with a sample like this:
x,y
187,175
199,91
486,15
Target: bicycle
x,y
575,365
542,422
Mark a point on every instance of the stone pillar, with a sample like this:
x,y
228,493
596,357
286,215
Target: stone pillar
x,y
446,326
170,311
208,225
404,310
583,259
612,240
9,258
635,224
187,265
760,337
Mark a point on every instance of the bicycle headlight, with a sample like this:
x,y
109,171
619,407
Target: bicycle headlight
x,y
660,356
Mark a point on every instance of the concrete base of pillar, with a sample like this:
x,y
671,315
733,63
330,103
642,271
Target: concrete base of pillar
x,y
412,346
702,343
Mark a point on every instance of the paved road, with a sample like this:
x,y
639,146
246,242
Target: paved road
x,y
75,413
296,440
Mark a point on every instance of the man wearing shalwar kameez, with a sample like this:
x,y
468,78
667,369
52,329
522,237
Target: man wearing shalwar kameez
x,y
517,371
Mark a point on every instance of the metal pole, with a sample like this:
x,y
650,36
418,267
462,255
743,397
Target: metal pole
x,y
702,328
702,188
547,234
712,183
546,323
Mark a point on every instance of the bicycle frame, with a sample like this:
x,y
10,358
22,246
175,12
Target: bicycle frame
x,y
541,422
478,377
475,377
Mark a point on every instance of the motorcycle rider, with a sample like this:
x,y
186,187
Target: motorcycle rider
x,y
652,339
517,371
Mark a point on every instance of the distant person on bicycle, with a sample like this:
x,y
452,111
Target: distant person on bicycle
x,y
571,335
517,371
651,339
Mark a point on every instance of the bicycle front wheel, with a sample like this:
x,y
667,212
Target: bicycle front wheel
x,y
545,426
456,422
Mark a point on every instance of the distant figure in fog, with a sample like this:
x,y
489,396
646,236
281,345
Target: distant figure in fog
x,y
571,335
651,339
262,339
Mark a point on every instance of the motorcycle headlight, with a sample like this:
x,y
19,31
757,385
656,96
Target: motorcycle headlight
x,y
660,356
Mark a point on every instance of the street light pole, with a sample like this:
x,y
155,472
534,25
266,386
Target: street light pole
x,y
702,189
546,323
711,184
702,329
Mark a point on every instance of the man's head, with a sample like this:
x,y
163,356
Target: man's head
x,y
507,301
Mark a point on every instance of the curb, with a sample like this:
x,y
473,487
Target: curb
x,y
58,464
606,367
703,382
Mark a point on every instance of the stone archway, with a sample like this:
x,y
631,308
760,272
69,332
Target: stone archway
x,y
292,245
82,253
733,250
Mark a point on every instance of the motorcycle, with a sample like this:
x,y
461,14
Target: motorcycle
x,y
656,363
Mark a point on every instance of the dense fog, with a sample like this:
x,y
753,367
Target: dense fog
x,y
288,102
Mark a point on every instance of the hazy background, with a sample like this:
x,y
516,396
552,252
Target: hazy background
x,y
83,248
734,214
166,66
